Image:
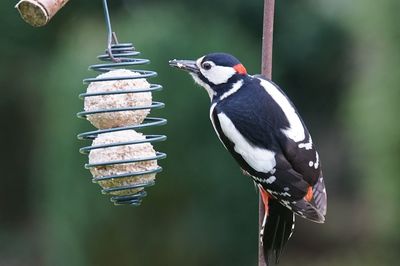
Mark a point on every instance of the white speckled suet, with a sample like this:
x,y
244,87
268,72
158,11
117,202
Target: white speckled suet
x,y
124,152
106,102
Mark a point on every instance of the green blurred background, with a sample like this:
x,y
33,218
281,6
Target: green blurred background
x,y
339,61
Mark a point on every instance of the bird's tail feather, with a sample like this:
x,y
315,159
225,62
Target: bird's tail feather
x,y
320,198
278,229
315,209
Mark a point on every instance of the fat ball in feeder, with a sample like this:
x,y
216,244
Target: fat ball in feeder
x,y
122,153
122,101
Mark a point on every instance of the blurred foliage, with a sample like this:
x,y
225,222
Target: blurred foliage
x,y
374,112
338,62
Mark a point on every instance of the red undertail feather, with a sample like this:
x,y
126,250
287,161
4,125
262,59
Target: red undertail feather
x,y
277,227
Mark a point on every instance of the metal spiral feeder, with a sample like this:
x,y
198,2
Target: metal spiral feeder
x,y
120,55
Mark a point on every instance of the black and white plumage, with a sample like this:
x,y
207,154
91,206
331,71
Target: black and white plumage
x,y
261,128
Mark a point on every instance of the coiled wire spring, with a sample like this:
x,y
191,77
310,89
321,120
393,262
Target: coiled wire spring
x,y
117,56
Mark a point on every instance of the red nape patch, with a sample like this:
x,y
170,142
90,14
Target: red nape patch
x,y
240,69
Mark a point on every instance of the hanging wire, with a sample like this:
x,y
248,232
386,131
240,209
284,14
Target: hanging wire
x,y
111,36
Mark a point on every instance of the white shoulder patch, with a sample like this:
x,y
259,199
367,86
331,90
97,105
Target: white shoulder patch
x,y
296,129
261,160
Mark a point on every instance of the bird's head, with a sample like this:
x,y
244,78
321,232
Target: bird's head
x,y
212,70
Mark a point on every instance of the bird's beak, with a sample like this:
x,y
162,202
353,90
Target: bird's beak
x,y
188,65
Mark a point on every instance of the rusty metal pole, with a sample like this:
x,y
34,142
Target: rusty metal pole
x,y
267,41
266,70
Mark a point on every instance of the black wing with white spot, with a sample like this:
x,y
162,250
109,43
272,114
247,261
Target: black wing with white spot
x,y
304,159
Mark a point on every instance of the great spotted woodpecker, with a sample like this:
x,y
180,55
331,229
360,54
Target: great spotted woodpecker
x,y
261,128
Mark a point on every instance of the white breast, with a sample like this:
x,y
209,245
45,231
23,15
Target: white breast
x,y
260,159
212,120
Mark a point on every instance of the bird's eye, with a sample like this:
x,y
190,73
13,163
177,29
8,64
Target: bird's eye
x,y
206,66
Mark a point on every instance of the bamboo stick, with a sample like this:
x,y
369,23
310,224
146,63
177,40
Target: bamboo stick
x,y
39,12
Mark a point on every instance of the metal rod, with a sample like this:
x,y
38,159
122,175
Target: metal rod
x,y
267,41
108,23
266,70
